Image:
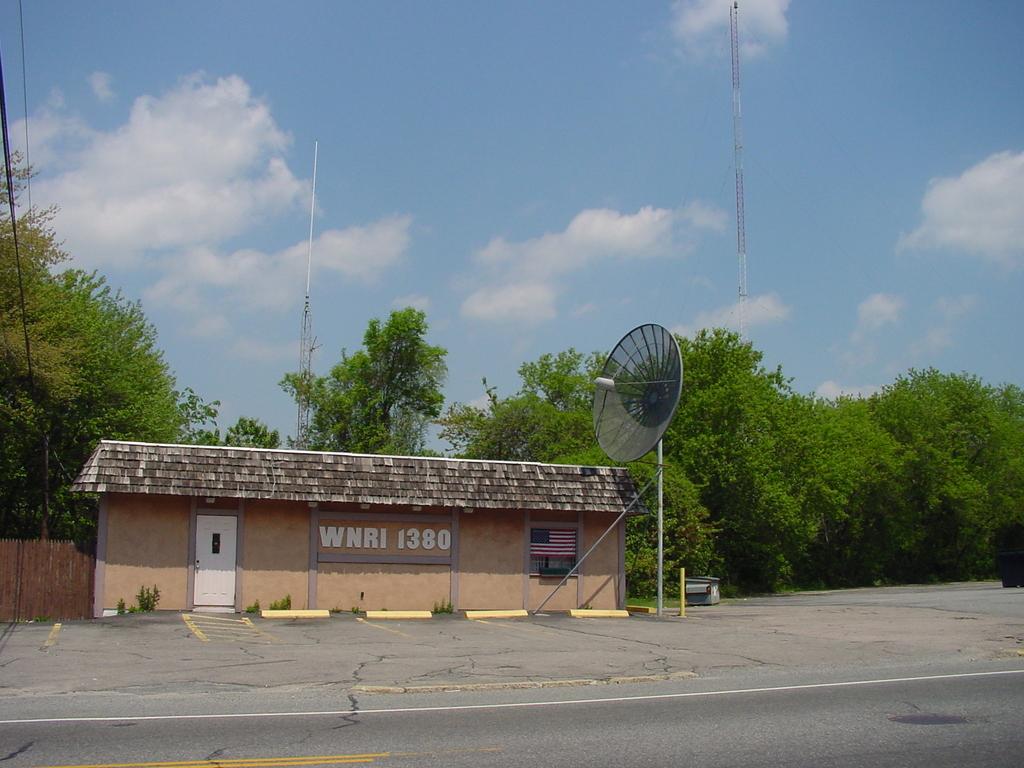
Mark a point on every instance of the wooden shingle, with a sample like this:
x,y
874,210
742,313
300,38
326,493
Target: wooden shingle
x,y
313,476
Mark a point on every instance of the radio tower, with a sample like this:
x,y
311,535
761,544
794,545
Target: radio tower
x,y
737,132
306,342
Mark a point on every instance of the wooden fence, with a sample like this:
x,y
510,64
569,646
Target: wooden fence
x,y
50,580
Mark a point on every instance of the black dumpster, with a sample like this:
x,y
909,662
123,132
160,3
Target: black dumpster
x,y
1011,568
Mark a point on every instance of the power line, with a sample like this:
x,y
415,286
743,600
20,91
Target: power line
x,y
44,438
24,97
14,223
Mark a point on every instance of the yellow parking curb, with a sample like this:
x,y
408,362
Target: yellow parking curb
x,y
310,614
398,614
590,613
496,614
641,609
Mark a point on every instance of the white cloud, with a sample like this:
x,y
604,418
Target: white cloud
x,y
875,312
362,252
55,136
259,350
941,335
958,306
482,402
702,26
980,212
761,310
933,340
210,326
520,281
414,300
766,309
189,170
196,165
700,214
527,302
199,277
100,84
590,235
830,390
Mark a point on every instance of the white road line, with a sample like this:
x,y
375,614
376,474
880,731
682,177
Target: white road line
x,y
516,705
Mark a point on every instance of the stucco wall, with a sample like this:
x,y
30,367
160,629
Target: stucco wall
x,y
600,571
562,600
374,587
491,557
275,553
147,545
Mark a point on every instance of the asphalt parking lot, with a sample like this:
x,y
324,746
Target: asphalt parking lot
x,y
164,652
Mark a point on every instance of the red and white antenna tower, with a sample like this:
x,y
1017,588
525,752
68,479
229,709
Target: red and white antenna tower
x,y
737,131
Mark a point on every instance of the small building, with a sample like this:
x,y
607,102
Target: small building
x,y
222,527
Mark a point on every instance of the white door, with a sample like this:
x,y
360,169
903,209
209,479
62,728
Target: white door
x,y
215,560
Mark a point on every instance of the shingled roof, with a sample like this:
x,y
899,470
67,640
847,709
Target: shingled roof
x,y
313,476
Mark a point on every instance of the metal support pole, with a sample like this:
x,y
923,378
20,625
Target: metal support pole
x,y
661,536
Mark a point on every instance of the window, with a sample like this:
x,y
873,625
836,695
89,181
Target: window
x,y
552,551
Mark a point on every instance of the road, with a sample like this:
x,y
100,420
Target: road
x,y
928,676
943,719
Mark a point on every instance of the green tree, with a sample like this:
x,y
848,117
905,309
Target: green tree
x,y
738,436
548,420
197,419
1005,462
856,474
78,363
565,380
770,489
688,534
960,442
109,382
382,398
252,433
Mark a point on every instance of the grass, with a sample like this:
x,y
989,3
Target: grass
x,y
652,602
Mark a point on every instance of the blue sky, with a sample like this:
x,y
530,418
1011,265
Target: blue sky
x,y
536,176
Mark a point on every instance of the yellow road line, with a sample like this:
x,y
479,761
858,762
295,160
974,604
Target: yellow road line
x,y
514,626
378,626
52,639
249,763
195,630
278,762
208,628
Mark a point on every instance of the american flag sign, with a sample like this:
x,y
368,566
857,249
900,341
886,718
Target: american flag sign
x,y
553,542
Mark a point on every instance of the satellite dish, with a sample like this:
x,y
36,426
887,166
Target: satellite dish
x,y
637,392
636,398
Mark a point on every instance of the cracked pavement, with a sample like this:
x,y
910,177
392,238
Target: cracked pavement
x,y
158,653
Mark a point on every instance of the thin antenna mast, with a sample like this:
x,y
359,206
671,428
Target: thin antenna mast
x,y
306,342
737,120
